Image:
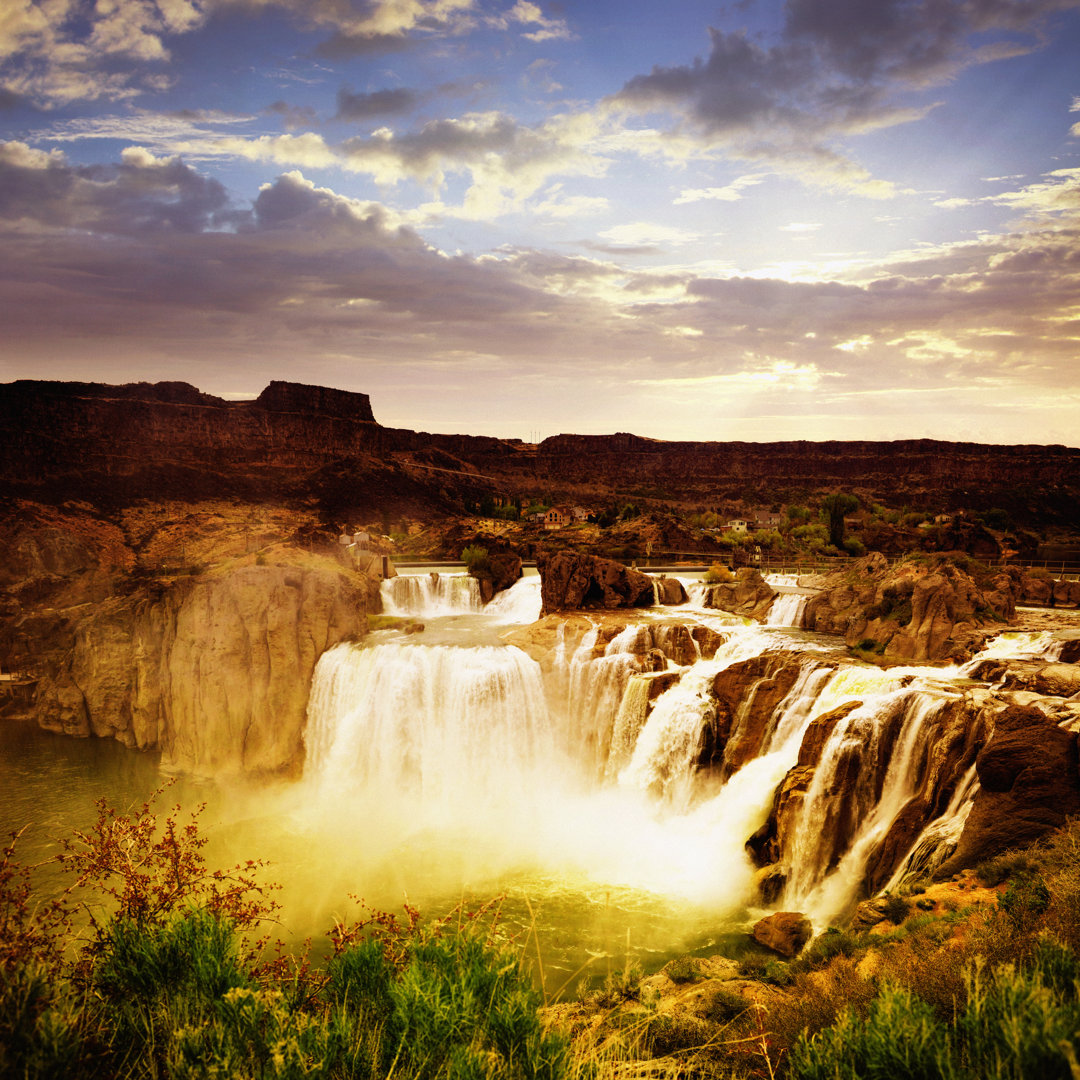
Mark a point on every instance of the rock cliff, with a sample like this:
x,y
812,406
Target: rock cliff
x,y
213,671
140,438
571,581
922,609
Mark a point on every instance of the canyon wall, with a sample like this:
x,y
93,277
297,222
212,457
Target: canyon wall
x,y
125,440
213,672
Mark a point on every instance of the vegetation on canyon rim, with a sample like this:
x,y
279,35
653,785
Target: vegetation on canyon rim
x,y
153,964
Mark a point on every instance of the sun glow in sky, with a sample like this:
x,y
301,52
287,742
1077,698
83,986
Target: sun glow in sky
x,y
756,220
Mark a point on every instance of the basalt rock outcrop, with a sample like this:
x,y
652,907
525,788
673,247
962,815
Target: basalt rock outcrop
x,y
133,439
921,610
1028,786
500,571
748,594
211,671
748,694
785,932
570,581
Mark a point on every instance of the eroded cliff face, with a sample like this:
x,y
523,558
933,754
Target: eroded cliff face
x,y
213,671
923,610
136,439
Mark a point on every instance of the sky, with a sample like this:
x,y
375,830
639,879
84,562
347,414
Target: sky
x,y
761,220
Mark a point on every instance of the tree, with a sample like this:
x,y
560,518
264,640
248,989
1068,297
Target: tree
x,y
835,507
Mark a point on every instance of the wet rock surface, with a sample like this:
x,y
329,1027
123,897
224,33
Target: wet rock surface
x,y
570,581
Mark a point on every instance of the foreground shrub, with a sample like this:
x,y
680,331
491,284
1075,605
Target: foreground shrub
x,y
1014,1024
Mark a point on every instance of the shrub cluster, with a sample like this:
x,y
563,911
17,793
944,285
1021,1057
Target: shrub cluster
x,y
169,982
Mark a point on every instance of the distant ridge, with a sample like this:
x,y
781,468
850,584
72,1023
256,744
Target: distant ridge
x,y
93,440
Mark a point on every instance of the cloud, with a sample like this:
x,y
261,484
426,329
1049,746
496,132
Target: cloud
x,y
1059,191
547,29
390,102
146,257
801,227
836,69
293,117
140,194
644,235
505,161
62,51
729,193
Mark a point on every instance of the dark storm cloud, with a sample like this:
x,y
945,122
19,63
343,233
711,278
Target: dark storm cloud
x,y
837,64
140,194
390,102
294,117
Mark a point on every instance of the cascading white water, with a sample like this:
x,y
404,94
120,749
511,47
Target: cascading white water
x,y
595,688
666,749
588,771
939,839
787,610
436,724
897,722
430,595
521,603
1019,645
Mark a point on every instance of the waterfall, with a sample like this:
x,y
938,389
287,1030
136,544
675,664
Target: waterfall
x,y
870,768
939,839
629,721
438,724
429,595
697,593
668,746
787,610
520,603
622,766
1019,645
595,687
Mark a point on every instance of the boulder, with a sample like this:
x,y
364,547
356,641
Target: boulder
x,y
570,581
669,590
786,932
1070,646
1066,593
749,594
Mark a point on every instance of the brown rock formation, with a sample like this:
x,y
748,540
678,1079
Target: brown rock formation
x,y
502,570
748,694
749,594
1037,676
1029,785
786,932
919,610
214,673
83,436
570,581
669,590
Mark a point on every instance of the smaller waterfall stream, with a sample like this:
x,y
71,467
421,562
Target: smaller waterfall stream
x,y
428,595
787,610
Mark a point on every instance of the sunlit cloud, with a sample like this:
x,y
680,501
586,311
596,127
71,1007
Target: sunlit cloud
x,y
646,234
728,193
